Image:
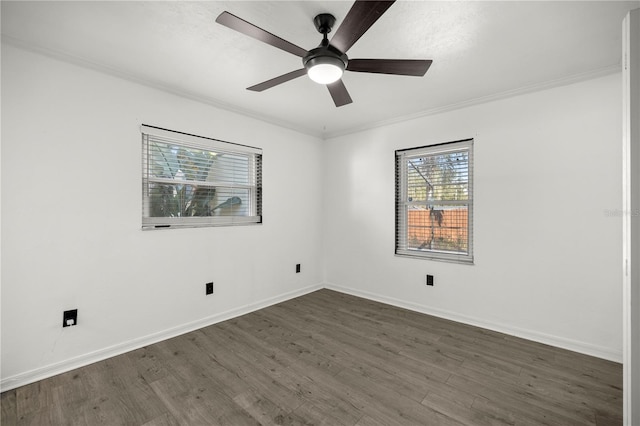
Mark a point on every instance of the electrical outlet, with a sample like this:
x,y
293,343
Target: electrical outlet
x,y
297,268
70,318
209,288
429,279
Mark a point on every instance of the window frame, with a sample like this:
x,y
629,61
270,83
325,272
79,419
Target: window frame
x,y
194,142
402,203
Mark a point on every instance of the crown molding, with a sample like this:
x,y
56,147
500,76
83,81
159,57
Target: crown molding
x,y
118,73
109,70
550,84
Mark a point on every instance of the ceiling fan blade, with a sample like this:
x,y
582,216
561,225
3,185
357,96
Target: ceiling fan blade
x,y
277,80
415,67
240,25
339,93
362,15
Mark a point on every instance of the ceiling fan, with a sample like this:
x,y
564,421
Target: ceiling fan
x,y
326,63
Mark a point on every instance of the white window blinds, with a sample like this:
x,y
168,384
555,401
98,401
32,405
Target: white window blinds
x,y
192,181
434,202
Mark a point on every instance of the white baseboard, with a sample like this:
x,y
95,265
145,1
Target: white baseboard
x,y
99,355
102,354
560,342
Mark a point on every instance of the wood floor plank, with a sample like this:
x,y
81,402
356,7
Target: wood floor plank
x,y
115,382
32,397
410,384
200,405
371,346
185,360
466,413
521,401
8,405
314,414
329,358
311,383
264,375
265,411
163,420
150,367
367,420
392,407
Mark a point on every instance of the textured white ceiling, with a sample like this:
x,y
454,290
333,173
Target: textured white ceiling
x,y
481,50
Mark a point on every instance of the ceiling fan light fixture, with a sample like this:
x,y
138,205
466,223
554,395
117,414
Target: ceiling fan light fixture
x,y
325,69
325,64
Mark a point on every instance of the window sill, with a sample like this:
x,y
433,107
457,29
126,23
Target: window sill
x,y
457,260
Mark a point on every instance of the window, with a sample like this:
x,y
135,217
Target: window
x,y
192,181
434,202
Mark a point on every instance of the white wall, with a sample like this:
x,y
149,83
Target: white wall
x,y
71,220
547,254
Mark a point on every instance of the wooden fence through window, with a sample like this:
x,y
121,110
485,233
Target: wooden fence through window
x,y
440,230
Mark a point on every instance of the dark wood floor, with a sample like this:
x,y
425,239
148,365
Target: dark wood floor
x,y
333,359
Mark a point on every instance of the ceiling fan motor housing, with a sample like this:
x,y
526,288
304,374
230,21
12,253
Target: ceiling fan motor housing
x,y
325,54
